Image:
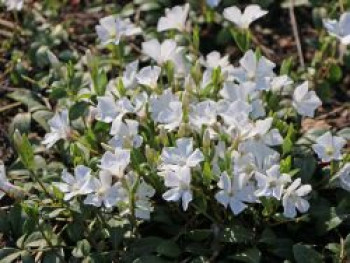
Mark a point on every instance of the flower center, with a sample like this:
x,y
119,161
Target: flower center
x,y
329,151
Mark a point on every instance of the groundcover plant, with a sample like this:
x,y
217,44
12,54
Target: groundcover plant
x,y
171,131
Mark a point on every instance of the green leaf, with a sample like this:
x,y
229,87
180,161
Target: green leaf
x,y
286,66
28,98
252,255
116,236
24,150
236,234
196,37
42,117
335,73
27,258
207,174
9,255
145,246
199,234
35,239
286,164
303,253
169,249
287,146
198,249
307,166
78,110
51,257
242,39
150,259
20,122
345,133
281,247
82,249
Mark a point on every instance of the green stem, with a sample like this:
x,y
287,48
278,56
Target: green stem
x,y
48,241
204,213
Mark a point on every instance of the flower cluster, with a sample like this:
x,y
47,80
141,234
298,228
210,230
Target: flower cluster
x,y
200,123
205,111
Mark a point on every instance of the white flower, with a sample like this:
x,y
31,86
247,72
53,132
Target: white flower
x,y
104,191
219,153
344,177
234,112
143,205
112,29
148,76
271,184
232,92
166,109
115,163
13,4
214,60
111,111
293,199
160,52
236,117
178,181
79,184
125,135
329,147
262,132
128,79
235,192
3,180
181,155
254,156
245,92
304,101
59,129
203,113
278,83
340,29
5,186
206,78
213,3
166,51
243,20
175,18
129,75
139,103
259,71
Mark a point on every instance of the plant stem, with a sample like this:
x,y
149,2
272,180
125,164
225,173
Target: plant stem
x,y
341,6
37,180
48,241
294,24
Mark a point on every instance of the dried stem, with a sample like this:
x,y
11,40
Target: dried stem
x,y
341,6
296,33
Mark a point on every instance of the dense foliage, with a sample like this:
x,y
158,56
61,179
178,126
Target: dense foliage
x,y
170,131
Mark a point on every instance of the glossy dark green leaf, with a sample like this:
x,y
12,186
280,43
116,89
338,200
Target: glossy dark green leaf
x,y
252,255
304,253
169,249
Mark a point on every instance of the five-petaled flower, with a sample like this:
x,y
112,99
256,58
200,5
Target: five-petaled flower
x,y
340,29
304,101
111,29
243,20
59,129
293,199
178,180
329,147
175,18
